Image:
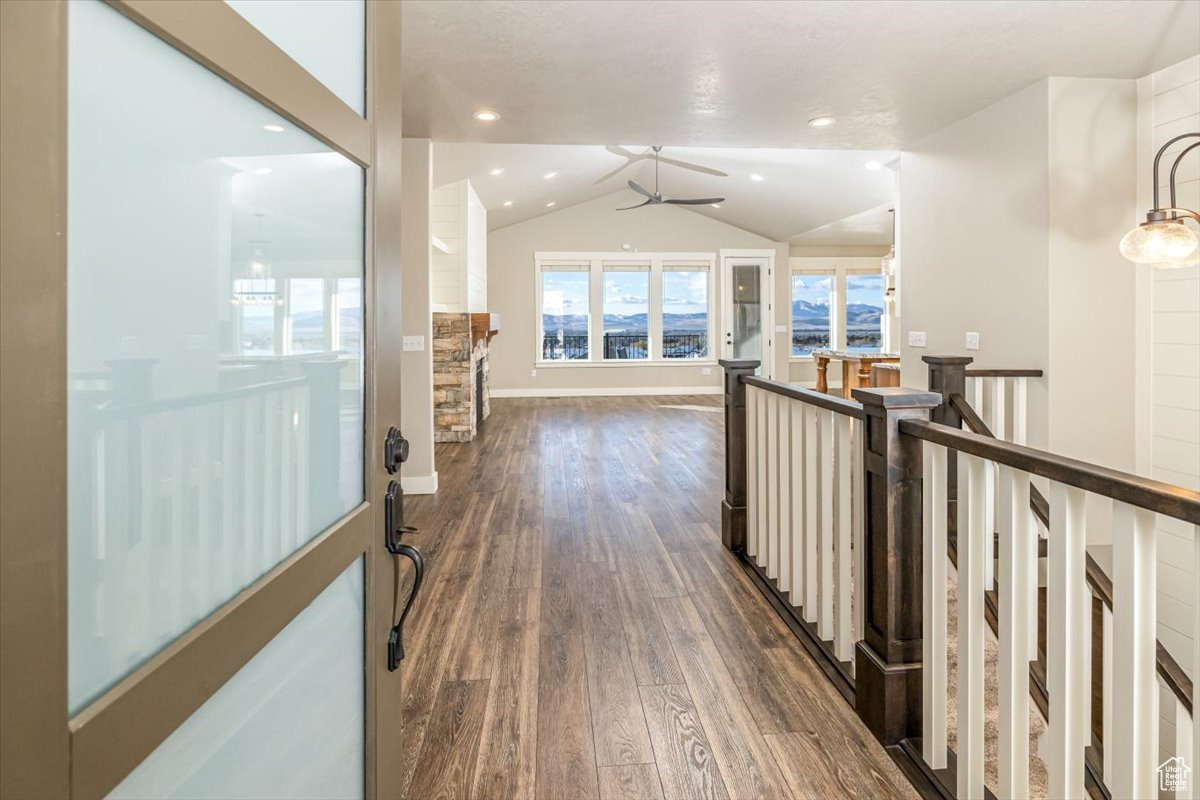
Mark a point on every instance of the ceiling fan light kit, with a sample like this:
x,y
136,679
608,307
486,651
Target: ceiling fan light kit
x,y
656,197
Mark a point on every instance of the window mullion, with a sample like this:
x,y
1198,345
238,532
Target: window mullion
x,y
654,349
596,310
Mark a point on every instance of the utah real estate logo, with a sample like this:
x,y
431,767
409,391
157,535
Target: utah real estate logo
x,y
1173,775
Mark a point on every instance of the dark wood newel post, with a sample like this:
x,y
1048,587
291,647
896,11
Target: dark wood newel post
x,y
733,507
947,376
887,661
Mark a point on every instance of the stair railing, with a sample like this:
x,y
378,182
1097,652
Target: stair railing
x,y
924,485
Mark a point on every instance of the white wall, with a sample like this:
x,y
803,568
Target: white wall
x,y
476,251
973,235
594,226
419,475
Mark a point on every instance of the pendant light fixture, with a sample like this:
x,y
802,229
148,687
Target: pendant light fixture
x,y
1164,240
888,265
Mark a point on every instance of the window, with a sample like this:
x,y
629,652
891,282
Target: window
x,y
812,300
685,311
565,313
626,311
624,307
837,307
256,302
347,318
864,312
306,315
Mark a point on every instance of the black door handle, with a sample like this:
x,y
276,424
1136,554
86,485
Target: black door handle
x,y
395,652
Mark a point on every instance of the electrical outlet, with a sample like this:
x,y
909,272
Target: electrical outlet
x,y
972,342
916,338
706,370
533,373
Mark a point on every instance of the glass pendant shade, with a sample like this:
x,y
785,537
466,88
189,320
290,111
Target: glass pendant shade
x,y
1165,245
888,264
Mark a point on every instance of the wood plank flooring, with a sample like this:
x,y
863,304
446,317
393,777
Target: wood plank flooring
x,y
583,633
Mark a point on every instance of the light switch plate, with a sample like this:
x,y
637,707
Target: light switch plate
x,y
972,342
706,370
916,338
781,328
533,373
414,343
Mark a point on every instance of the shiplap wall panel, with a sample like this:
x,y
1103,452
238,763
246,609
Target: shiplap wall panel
x,y
1175,380
448,216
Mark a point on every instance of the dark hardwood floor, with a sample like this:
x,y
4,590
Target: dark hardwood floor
x,y
583,634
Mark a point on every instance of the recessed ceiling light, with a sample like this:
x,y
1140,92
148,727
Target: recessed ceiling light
x,y
552,204
874,166
263,171
507,203
273,128
757,178
821,122
549,175
483,115
716,205
497,171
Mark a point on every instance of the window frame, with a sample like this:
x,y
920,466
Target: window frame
x,y
840,268
595,264
835,307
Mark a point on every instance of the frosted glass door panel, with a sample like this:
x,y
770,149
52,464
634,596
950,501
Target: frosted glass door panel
x,y
288,724
747,312
326,37
201,451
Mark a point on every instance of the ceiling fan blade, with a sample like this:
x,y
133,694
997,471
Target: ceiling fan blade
x,y
639,205
637,187
693,167
701,201
630,159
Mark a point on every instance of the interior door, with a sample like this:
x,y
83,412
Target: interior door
x,y
202,593
747,306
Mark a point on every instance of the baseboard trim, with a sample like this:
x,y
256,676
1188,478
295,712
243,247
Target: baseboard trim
x,y
419,484
608,391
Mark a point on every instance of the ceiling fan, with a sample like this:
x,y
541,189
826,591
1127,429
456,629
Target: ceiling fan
x,y
632,158
656,198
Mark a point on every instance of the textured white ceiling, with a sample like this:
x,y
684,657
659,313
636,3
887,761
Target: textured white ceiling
x,y
871,227
801,189
752,73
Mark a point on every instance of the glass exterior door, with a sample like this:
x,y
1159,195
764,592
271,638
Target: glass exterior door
x,y
747,307
220,552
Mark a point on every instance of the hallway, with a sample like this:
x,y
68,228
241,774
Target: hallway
x,y
582,632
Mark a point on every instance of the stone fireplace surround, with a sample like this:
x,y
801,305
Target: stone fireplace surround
x,y
460,345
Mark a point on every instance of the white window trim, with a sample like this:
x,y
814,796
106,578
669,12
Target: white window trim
x,y
596,261
839,268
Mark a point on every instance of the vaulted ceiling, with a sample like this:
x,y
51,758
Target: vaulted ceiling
x,y
776,193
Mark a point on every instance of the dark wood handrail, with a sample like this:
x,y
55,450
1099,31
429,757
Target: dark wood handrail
x,y
1003,373
849,408
1147,493
1168,668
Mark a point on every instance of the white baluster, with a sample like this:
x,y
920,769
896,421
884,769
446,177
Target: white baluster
x,y
933,606
1067,621
768,558
972,477
1195,761
1184,731
752,445
856,529
825,625
785,493
812,482
796,596
1106,700
1000,407
1020,410
1135,717
1013,669
764,514
843,635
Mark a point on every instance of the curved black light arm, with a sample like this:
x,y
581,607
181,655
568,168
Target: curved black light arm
x,y
1158,157
1175,166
